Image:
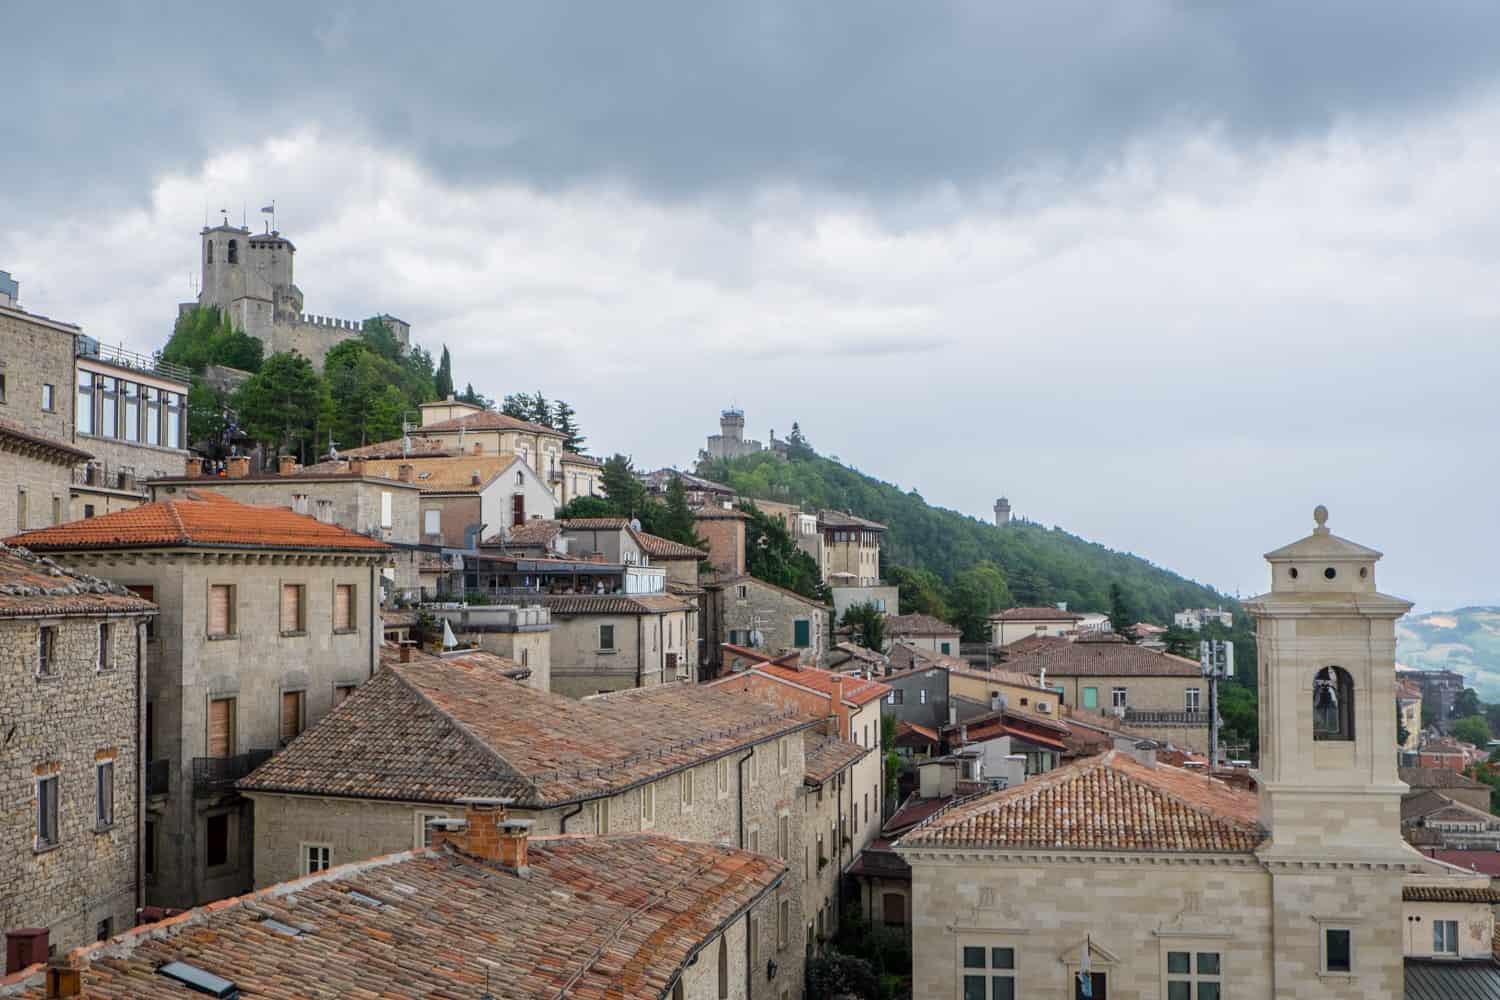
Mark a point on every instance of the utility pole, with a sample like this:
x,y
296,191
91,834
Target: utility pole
x,y
1216,659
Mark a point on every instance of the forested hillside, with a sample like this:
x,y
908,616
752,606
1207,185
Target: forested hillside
x,y
1040,565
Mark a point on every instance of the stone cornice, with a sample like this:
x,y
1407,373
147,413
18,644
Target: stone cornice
x,y
223,556
1045,856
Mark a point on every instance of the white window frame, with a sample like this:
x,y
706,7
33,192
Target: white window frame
x,y
1192,699
1119,697
1192,948
420,821
601,647
1438,928
989,971
432,521
311,863
687,791
648,805
722,777
46,663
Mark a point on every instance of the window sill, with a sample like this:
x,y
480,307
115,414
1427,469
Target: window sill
x,y
45,848
222,638
48,678
606,652
104,827
296,633
340,631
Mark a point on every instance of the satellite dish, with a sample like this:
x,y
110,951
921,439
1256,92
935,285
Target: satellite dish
x,y
757,639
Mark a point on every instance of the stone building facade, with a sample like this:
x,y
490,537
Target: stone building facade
x,y
850,549
267,620
248,276
731,772
1291,892
724,531
71,679
753,613
37,478
604,643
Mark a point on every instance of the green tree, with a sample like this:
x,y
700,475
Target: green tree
x,y
587,506
835,976
1402,733
868,625
773,556
621,487
920,591
476,398
280,406
1237,707
365,393
206,419
1466,703
978,592
675,519
565,422
443,380
796,443
1471,729
516,404
376,333
1181,641
1121,619
204,336
539,410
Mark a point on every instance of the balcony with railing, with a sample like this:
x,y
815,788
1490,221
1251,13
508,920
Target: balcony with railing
x,y
1141,717
88,347
103,475
216,775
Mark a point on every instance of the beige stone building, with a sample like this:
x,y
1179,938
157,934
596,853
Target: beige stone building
x,y
713,766
724,531
37,479
1014,624
71,680
519,633
850,549
846,792
1156,694
1167,883
267,620
755,614
1409,708
610,642
490,909
924,632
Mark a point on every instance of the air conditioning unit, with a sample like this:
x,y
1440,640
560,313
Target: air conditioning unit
x,y
1043,707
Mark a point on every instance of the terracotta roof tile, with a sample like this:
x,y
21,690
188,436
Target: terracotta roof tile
x,y
1437,777
658,547
33,585
918,624
454,474
842,519
539,531
1449,894
615,604
857,690
198,518
439,729
825,756
1111,802
596,524
595,917
1037,614
578,458
489,420
1065,658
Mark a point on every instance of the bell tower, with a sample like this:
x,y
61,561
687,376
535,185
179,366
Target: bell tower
x,y
1327,645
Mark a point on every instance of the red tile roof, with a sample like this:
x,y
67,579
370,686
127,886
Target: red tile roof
x,y
438,730
33,585
615,604
825,756
489,420
918,624
1065,658
904,728
1111,802
198,518
539,531
614,917
1042,614
857,690
1449,894
841,519
1483,862
658,547
596,524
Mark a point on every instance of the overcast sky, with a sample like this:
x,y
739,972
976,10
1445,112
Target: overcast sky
x,y
1167,275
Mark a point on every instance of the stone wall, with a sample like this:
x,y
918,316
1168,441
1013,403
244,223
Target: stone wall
x,y
580,668
774,612
149,461
37,353
45,484
65,725
726,542
187,670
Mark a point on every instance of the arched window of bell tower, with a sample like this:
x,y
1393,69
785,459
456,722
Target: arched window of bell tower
x,y
1333,704
234,251
208,253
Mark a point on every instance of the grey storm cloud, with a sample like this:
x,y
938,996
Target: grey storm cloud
x,y
677,98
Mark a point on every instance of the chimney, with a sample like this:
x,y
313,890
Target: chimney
x,y
839,708
194,468
474,478
357,466
25,946
478,448
239,466
286,465
404,472
64,978
487,832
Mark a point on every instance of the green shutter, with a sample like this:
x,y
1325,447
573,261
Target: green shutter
x,y
802,633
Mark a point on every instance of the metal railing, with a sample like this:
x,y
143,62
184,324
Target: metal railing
x,y
102,475
1149,718
88,347
158,777
212,775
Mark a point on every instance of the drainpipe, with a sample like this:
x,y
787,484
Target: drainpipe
x,y
640,646
569,815
141,765
375,637
749,969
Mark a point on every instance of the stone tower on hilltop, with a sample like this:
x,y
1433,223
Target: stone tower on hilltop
x,y
249,277
730,441
1002,512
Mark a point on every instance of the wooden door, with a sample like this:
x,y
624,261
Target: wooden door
x,y
218,610
291,715
221,727
518,510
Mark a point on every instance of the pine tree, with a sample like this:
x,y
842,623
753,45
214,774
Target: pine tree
x,y
676,520
517,404
622,489
538,410
1120,617
563,423
443,382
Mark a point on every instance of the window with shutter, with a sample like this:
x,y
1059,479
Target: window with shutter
x,y
220,610
343,608
291,607
221,727
104,773
291,715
